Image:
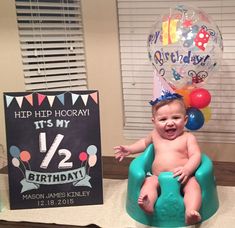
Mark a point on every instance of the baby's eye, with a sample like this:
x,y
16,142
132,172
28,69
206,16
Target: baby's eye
x,y
176,117
162,119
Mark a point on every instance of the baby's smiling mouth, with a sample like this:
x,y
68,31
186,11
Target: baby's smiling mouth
x,y
171,130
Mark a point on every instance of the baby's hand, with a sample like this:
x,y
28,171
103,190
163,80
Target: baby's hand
x,y
182,173
121,152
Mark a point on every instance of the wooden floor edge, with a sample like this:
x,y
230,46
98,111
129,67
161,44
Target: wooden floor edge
x,y
224,171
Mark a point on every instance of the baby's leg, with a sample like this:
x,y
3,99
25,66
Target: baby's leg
x,y
192,200
148,194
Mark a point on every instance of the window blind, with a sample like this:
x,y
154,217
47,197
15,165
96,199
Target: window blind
x,y
52,44
135,18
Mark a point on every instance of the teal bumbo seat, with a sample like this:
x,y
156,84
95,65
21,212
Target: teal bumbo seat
x,y
169,207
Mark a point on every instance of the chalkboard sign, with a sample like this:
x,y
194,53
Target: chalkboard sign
x,y
54,149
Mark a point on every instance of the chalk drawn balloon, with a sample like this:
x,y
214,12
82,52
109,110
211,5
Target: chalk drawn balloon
x,y
83,156
92,160
25,156
14,151
92,149
15,162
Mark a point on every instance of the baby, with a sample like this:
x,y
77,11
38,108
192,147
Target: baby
x,y
175,150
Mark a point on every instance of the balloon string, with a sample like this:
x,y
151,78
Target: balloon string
x,y
29,165
88,170
23,165
22,172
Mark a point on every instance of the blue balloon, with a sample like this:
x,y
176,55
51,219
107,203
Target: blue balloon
x,y
15,151
195,119
92,150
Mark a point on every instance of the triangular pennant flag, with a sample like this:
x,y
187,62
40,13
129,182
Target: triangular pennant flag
x,y
41,98
19,100
51,100
94,97
61,98
84,98
29,98
74,97
8,100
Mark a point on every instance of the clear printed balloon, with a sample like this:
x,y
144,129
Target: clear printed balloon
x,y
185,46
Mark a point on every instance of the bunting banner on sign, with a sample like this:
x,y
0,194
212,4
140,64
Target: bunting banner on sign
x,y
50,98
54,149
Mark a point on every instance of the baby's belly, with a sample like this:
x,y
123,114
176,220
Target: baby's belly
x,y
164,163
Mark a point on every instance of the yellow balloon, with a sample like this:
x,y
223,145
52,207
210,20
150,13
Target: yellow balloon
x,y
206,113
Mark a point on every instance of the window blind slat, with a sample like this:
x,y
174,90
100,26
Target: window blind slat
x,y
48,25
54,59
56,85
69,88
52,52
52,11
55,72
54,65
51,45
50,39
50,32
44,19
47,4
62,77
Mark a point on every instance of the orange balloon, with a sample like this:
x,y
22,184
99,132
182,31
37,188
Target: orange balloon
x,y
25,156
185,94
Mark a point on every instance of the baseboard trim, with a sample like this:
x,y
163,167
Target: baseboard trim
x,y
112,169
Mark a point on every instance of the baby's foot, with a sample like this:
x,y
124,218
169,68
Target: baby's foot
x,y
145,204
192,217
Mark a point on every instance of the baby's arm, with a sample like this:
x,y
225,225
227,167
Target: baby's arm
x,y
137,147
194,161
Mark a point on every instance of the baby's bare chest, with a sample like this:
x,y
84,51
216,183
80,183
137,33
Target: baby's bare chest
x,y
169,155
171,146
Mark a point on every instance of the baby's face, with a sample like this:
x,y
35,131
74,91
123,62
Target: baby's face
x,y
169,120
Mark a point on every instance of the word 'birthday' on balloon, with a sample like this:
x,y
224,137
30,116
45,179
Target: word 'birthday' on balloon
x,y
161,57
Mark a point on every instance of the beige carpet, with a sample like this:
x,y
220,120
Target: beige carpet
x,y
112,213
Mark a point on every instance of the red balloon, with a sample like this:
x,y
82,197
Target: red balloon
x,y
83,156
200,98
